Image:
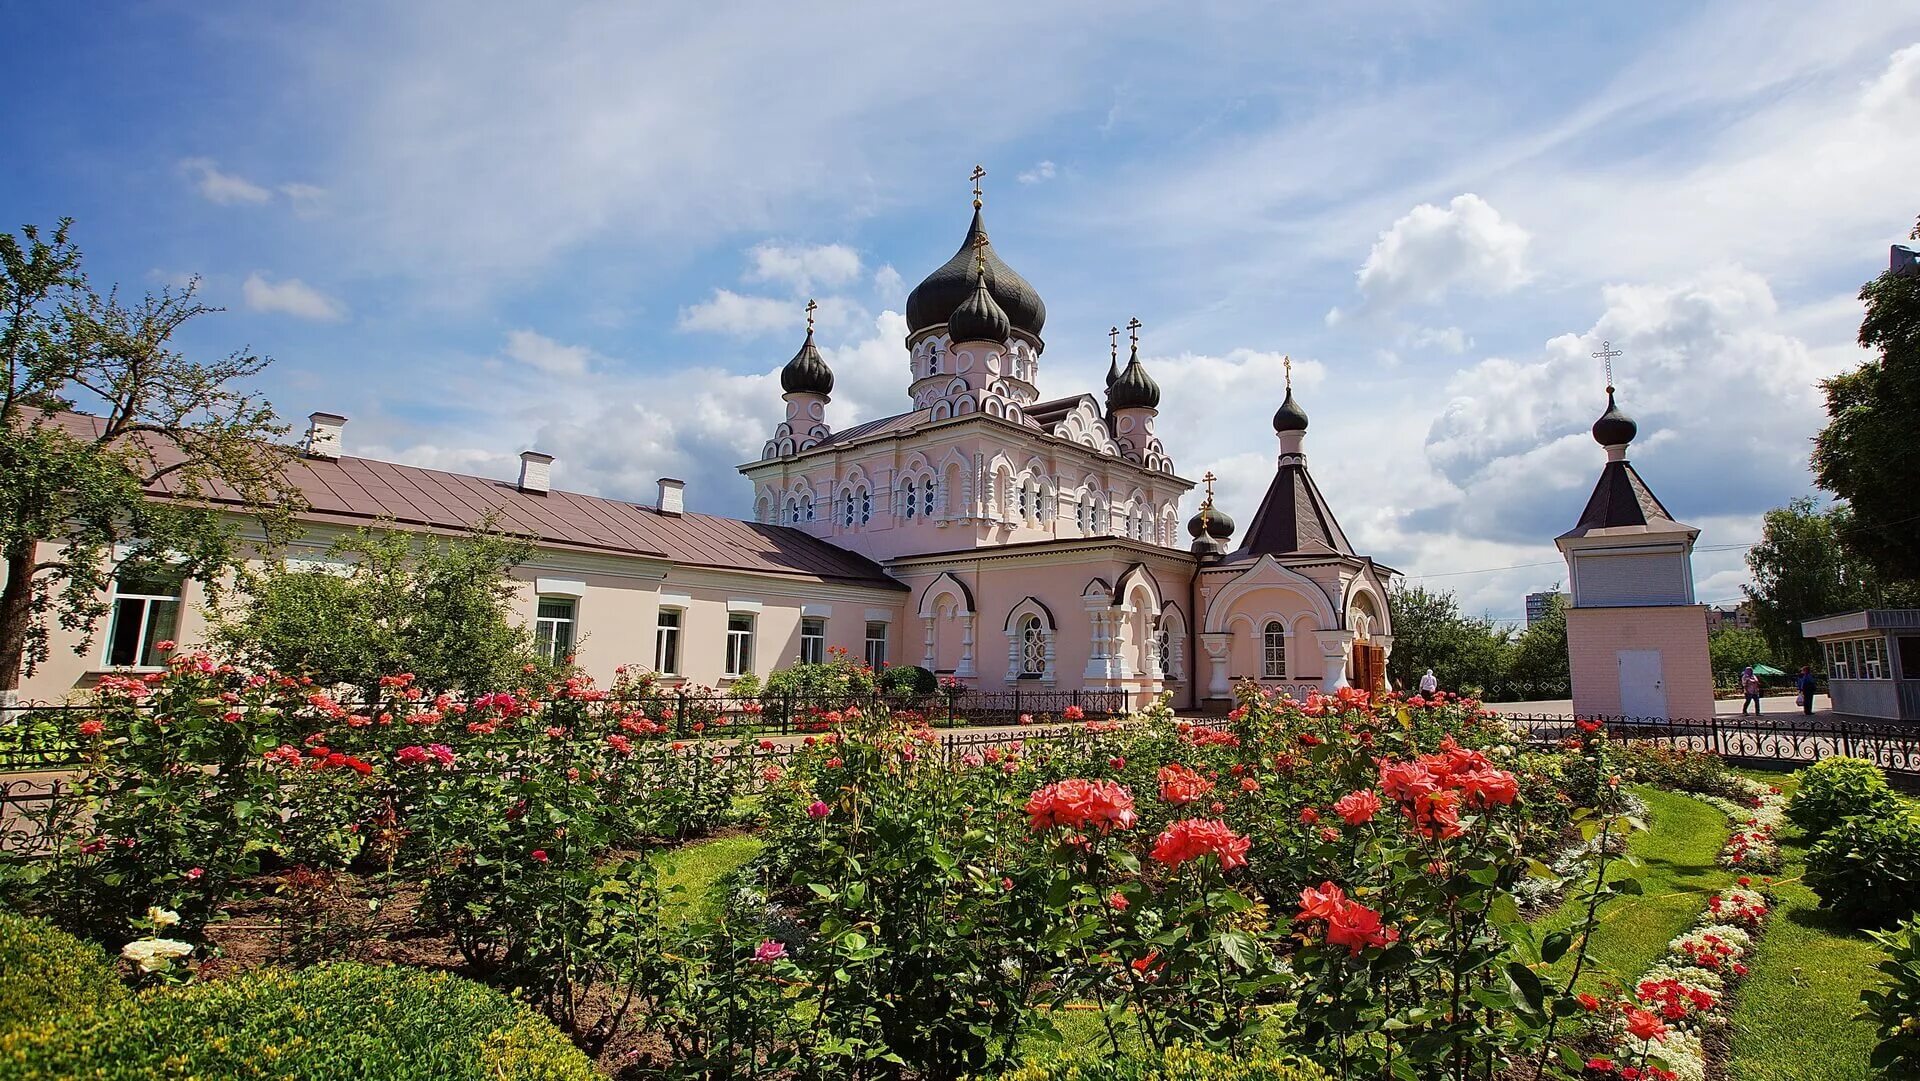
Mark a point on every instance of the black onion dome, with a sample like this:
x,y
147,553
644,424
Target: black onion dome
x,y
933,301
1113,371
1614,428
979,318
1290,417
807,371
1135,389
1213,521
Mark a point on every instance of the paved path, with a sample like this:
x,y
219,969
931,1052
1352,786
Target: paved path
x,y
1781,706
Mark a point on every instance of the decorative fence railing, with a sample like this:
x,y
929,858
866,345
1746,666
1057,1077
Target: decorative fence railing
x,y
36,738
1895,748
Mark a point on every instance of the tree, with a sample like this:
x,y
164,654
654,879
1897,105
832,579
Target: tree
x,y
399,601
1430,632
1731,648
1866,454
1536,661
77,502
1802,570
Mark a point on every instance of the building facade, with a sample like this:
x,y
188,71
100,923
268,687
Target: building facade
x,y
1873,662
987,533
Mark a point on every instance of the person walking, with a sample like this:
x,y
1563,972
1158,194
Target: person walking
x,y
1805,683
1750,686
1428,684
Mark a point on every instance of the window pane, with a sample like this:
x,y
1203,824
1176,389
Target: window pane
x,y
556,608
123,637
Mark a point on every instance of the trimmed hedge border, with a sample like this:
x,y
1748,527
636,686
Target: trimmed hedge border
x,y
46,972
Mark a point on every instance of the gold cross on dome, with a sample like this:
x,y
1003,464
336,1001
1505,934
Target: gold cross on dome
x,y
1208,481
1287,363
1607,353
1133,331
977,174
811,305
980,255
1113,342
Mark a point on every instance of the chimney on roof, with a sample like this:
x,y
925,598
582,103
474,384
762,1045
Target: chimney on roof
x,y
671,501
323,435
536,472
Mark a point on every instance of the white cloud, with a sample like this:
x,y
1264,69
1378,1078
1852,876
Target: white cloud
x,y
1446,339
1039,173
891,288
542,353
1432,251
224,189
291,296
306,199
741,316
803,267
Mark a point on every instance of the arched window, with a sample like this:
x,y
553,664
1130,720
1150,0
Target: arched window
x,y
909,503
806,508
1163,649
866,505
1033,647
793,511
1273,654
926,496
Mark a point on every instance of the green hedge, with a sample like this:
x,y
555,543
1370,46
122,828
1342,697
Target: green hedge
x,y
1175,1064
1833,790
45,972
338,1022
1867,869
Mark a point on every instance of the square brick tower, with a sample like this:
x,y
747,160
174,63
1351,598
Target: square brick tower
x,y
1636,639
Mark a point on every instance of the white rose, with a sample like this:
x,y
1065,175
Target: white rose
x,y
161,917
155,954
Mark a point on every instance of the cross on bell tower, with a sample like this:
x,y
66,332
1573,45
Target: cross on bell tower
x,y
976,176
1605,355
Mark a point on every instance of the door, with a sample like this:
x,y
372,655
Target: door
x,y
1643,693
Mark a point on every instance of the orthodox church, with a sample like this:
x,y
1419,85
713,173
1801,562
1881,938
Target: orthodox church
x,y
1038,537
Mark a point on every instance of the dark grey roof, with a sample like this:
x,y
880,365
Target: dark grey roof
x,y
935,298
979,318
899,422
1622,501
1135,389
807,371
1293,519
1049,413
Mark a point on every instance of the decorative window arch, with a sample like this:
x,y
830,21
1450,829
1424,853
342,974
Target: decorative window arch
x,y
907,500
1030,633
793,510
1273,650
926,496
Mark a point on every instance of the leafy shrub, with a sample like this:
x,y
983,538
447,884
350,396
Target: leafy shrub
x,y
1838,788
1679,768
1178,1063
46,972
1867,868
1896,1008
344,1021
908,679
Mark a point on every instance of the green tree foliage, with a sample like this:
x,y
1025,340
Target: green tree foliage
x,y
1802,570
441,608
73,496
1731,649
1865,455
1536,659
1429,631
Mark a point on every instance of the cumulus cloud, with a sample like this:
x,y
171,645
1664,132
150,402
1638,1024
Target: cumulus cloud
x,y
1445,339
740,316
1038,174
306,199
224,189
291,296
803,267
542,353
1432,251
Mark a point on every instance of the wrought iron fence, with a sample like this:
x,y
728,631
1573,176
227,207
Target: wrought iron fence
x,y
1786,741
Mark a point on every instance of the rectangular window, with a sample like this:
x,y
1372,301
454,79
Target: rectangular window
x,y
553,629
876,645
739,644
813,640
666,643
146,611
1273,655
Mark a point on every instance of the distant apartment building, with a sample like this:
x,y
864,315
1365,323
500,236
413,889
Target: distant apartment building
x,y
1539,604
1737,617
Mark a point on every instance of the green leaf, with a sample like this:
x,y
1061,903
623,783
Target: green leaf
x,y
1555,946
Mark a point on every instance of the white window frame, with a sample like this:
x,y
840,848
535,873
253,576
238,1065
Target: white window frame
x,y
1273,650
740,628
545,628
876,654
813,640
667,640
146,601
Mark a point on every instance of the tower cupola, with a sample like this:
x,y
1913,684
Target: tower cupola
x,y
979,318
1134,389
807,372
938,297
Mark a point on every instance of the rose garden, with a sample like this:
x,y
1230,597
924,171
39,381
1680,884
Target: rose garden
x,y
247,877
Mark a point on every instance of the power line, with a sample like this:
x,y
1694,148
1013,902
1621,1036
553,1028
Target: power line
x,y
1556,563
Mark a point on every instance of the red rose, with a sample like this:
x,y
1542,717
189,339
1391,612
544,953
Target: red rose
x,y
1357,807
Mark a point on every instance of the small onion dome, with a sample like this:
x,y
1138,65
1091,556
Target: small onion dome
x,y
1290,417
934,300
807,372
1614,428
1113,371
1213,521
979,318
1135,389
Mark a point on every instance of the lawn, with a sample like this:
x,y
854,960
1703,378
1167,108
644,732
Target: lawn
x,y
1676,874
1794,1018
698,870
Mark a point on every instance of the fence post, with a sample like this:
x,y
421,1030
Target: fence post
x,y
680,713
1076,697
1714,727
1846,740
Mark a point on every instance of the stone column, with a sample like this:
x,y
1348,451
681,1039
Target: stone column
x,y
931,635
1385,642
1218,647
1016,653
1333,658
965,668
1098,645
1119,665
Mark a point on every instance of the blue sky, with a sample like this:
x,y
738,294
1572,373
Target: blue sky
x,y
478,228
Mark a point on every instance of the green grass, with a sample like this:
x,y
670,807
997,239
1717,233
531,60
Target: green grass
x,y
698,869
1793,1021
1676,874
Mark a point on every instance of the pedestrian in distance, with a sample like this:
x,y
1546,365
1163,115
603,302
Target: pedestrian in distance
x,y
1750,686
1428,684
1805,683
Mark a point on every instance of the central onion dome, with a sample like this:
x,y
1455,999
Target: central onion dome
x,y
1614,428
1210,521
1135,389
1289,417
979,318
934,300
807,372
